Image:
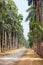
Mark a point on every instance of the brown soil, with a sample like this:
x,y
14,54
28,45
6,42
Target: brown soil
x,y
9,52
30,58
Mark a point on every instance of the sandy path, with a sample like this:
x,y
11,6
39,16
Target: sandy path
x,y
12,58
30,58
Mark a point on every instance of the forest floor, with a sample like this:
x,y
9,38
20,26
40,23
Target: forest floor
x,y
30,58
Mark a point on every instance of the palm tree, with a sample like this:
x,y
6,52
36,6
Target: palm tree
x,y
11,29
2,18
31,13
32,17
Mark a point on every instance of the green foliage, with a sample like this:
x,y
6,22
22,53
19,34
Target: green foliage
x,y
31,13
36,29
36,33
10,20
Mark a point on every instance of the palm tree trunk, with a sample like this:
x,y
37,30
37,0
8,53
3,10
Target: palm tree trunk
x,y
16,41
9,41
6,40
1,42
12,39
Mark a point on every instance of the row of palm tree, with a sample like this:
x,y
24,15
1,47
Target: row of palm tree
x,y
11,30
36,28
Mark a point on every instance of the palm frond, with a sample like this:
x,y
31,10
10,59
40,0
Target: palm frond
x,y
31,8
31,15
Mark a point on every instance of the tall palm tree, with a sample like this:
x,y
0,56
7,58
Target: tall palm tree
x,y
31,13
35,27
2,18
11,30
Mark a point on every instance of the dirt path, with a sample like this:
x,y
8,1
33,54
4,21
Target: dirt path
x,y
12,58
10,52
30,58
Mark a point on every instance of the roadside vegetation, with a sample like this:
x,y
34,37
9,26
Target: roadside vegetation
x,y
11,30
35,34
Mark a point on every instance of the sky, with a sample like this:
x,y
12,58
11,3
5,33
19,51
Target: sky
x,y
22,7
